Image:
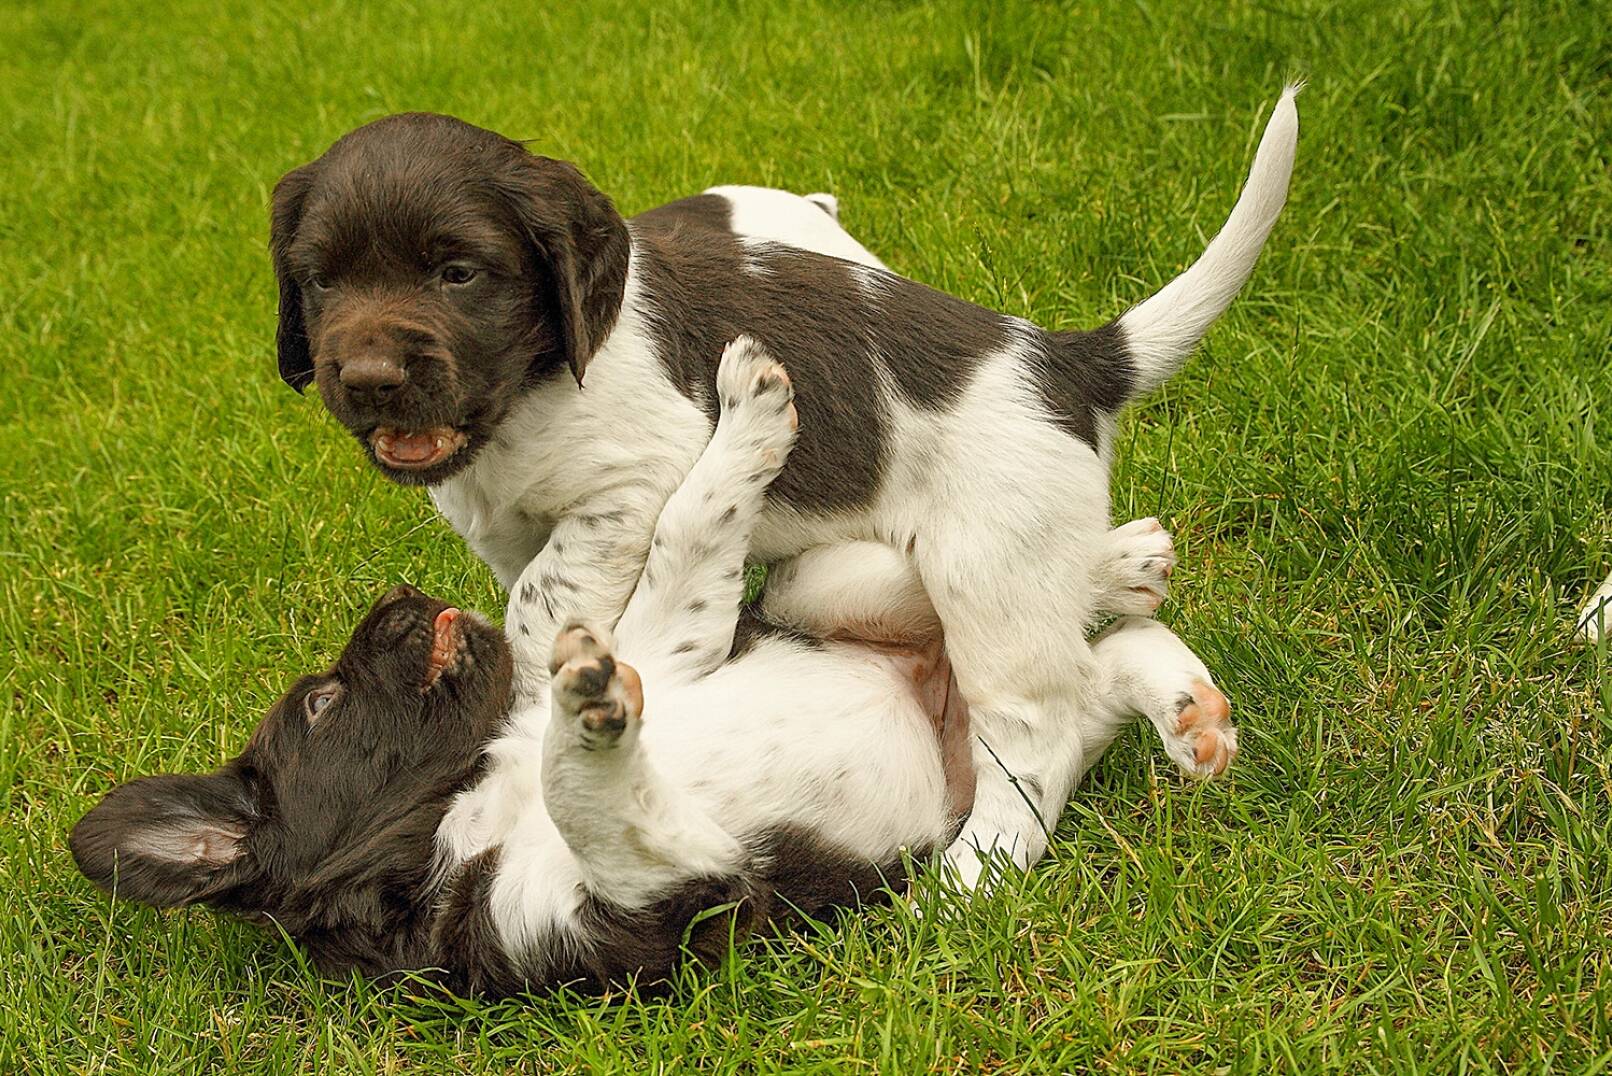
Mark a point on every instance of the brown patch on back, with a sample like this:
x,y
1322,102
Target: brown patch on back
x,y
710,211
841,339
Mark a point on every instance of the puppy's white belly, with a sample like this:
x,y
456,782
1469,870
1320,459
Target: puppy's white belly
x,y
828,740
832,741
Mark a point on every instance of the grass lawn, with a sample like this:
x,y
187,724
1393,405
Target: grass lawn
x,y
1384,473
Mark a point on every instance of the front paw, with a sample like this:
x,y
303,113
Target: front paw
x,y
758,401
595,695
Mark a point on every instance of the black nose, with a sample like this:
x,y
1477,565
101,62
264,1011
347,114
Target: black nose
x,y
370,375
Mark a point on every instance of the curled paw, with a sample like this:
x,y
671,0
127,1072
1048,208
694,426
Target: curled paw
x,y
600,696
1133,576
758,400
749,375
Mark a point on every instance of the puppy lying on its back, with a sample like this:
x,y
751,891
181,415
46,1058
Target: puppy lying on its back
x,y
487,324
531,812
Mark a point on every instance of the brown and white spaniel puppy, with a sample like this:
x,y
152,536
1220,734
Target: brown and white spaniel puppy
x,y
487,324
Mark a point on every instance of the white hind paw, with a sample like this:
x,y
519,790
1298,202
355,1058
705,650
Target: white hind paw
x,y
1132,573
1199,735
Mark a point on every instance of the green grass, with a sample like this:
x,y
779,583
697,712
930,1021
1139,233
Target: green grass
x,y
1384,472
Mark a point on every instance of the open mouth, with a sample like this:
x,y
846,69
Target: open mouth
x,y
446,640
415,450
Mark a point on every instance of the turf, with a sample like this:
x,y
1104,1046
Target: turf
x,y
1384,472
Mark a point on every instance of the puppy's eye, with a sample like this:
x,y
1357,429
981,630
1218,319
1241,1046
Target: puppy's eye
x,y
458,275
316,702
319,282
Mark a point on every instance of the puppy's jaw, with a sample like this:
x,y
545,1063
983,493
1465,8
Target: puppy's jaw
x,y
461,445
469,662
456,638
463,425
415,450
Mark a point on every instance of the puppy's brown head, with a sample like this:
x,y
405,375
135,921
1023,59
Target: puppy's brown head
x,y
327,821
428,270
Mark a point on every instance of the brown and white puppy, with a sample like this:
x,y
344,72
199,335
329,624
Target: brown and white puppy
x,y
486,323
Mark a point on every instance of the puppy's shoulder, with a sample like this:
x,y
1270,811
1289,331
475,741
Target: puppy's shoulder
x,y
706,212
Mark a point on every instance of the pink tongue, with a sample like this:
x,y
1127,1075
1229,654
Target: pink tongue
x,y
412,447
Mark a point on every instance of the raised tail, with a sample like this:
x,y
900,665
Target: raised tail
x,y
1161,331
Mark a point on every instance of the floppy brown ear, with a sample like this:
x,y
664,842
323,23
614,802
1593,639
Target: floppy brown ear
x,y
170,840
291,338
576,232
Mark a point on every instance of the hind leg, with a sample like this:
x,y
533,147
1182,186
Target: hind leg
x,y
1009,539
872,591
1035,690
1151,673
869,590
1014,608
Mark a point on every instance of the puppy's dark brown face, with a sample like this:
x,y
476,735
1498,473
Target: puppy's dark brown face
x,y
326,821
429,271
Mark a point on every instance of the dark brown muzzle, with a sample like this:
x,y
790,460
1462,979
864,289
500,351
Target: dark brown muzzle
x,y
373,354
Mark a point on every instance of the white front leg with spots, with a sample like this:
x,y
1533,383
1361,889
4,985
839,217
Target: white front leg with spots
x,y
683,614
584,574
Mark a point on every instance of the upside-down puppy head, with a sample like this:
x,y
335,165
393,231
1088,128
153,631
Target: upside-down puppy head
x,y
326,821
428,270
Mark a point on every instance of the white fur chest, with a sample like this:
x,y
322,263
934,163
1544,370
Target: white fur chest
x,y
623,440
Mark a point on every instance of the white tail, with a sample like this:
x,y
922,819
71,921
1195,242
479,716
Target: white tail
x,y
1162,330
